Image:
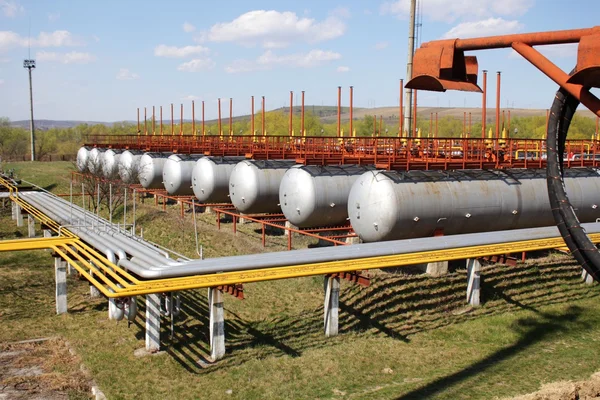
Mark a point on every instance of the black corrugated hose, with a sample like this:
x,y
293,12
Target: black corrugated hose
x,y
580,245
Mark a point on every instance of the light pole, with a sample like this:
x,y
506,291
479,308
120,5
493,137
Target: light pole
x,y
30,64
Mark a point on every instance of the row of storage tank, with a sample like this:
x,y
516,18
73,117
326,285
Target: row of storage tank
x,y
381,205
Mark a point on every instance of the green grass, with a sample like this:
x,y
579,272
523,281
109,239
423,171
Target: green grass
x,y
406,336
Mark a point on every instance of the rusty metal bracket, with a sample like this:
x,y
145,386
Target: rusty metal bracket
x,y
353,277
588,62
501,259
236,290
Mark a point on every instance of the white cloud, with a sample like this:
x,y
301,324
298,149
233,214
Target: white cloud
x,y
269,59
178,52
486,27
190,97
96,38
10,8
452,10
73,57
10,39
381,45
187,27
197,65
1,81
343,68
53,16
273,29
342,12
126,75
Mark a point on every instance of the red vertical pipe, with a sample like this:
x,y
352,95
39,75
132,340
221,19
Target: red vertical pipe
x,y
401,109
230,116
172,121
415,114
161,121
302,116
498,105
291,128
203,131
484,105
263,116
252,115
339,112
351,110
145,123
219,121
193,118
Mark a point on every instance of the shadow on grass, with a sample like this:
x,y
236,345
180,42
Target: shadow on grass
x,y
395,305
530,330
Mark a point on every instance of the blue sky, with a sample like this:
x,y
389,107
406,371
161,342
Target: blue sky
x,y
100,60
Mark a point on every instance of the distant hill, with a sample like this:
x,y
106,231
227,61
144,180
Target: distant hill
x,y
328,114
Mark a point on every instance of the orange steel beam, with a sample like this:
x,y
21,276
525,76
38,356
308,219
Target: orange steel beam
x,y
230,116
219,106
252,115
530,39
484,105
351,107
559,76
291,128
264,132
401,109
497,105
193,119
302,116
339,112
172,121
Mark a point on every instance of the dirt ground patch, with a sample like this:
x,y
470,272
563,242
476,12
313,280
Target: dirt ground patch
x,y
43,369
567,390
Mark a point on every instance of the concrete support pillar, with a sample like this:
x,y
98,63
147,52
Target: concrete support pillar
x,y
94,292
152,322
216,324
30,226
14,210
208,210
288,224
243,220
60,273
438,268
19,215
473,282
353,240
331,306
47,233
587,278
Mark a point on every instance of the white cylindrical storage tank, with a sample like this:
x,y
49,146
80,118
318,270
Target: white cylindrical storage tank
x,y
129,163
82,158
150,171
94,162
110,163
254,185
312,196
177,173
399,205
210,178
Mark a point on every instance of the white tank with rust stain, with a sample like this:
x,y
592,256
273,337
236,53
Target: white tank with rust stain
x,y
82,158
177,173
254,185
150,171
110,163
386,205
129,163
313,196
210,178
94,161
